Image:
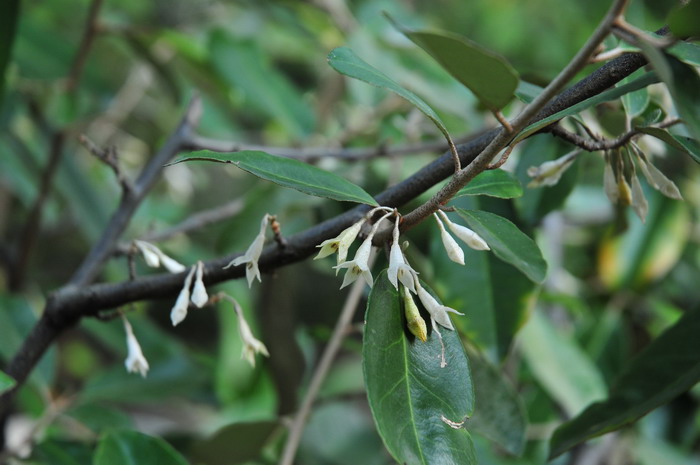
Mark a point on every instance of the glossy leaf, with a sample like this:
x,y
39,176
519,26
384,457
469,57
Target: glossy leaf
x,y
344,60
134,448
6,382
560,365
681,143
682,81
500,415
612,94
507,242
289,173
494,183
492,79
409,393
669,366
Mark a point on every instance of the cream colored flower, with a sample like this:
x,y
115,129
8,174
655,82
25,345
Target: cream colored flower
x,y
155,257
465,234
252,255
199,292
358,266
135,361
340,244
454,251
437,311
251,345
549,173
179,311
399,270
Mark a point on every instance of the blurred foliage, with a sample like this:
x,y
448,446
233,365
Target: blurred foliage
x,y
613,285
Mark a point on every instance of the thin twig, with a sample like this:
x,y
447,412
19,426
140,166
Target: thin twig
x,y
32,227
89,34
502,160
110,158
339,333
595,145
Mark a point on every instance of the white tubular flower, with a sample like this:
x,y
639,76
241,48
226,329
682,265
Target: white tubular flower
x,y
199,292
657,179
251,345
437,311
179,311
465,234
252,255
399,270
135,361
341,243
454,251
358,266
549,173
639,202
155,257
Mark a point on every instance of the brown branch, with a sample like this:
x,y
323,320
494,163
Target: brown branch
x,y
110,158
89,34
595,145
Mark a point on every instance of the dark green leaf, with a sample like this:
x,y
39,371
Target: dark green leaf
x,y
62,452
492,79
507,242
233,444
682,81
289,173
669,366
408,390
681,143
8,27
344,60
134,448
612,94
499,415
6,382
683,21
495,183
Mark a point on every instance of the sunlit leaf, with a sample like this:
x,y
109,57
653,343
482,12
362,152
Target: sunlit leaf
x,y
492,79
289,173
411,395
344,60
494,183
134,448
669,366
507,242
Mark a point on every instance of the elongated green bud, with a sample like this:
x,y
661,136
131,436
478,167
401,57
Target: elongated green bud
x,y
415,322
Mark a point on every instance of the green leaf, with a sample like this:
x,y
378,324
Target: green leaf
x,y
682,81
344,60
635,102
669,366
612,94
687,52
500,414
134,448
409,392
507,242
494,183
492,79
289,173
560,365
680,143
234,443
683,21
527,92
7,382
8,27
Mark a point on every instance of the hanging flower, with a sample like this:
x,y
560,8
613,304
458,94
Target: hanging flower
x,y
341,243
199,292
549,173
466,235
179,311
454,251
399,270
251,345
437,311
358,266
155,257
252,255
135,361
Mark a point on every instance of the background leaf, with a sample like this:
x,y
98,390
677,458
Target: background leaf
x,y
669,366
492,79
683,21
407,389
233,444
494,183
507,242
6,382
681,143
134,448
344,60
8,27
289,173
